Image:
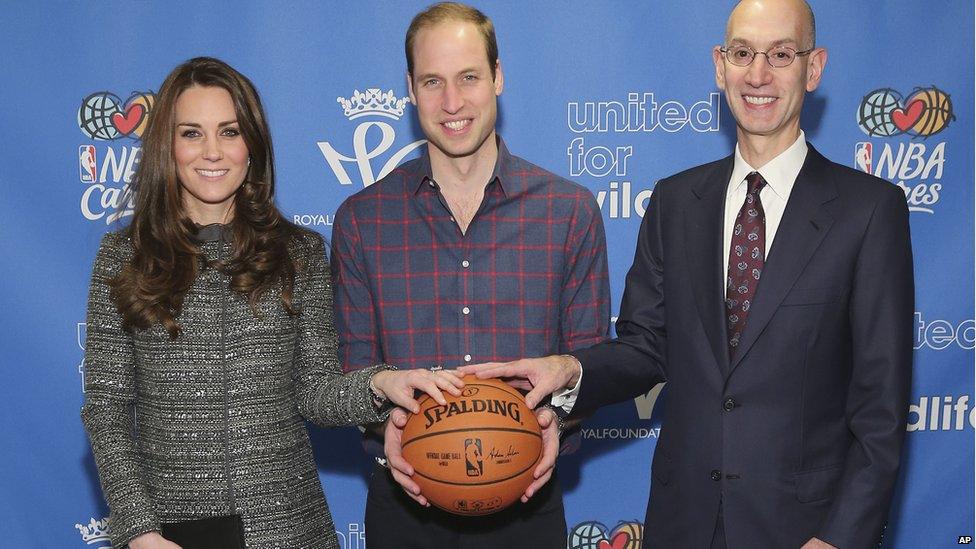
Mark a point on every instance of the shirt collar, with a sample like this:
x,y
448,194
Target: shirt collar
x,y
780,172
503,172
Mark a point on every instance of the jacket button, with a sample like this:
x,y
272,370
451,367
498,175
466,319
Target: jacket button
x,y
716,475
728,404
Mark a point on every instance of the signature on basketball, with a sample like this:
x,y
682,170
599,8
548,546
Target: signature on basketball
x,y
503,456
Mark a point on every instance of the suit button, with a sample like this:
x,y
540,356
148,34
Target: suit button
x,y
728,404
716,475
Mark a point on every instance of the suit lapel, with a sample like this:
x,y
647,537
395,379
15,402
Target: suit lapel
x,y
803,227
703,246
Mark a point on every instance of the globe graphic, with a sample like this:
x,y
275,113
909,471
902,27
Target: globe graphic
x,y
874,114
95,116
587,535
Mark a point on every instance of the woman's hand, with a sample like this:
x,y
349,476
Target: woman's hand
x,y
152,540
399,385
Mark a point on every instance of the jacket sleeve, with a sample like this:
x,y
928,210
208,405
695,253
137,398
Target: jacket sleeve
x,y
109,398
633,362
881,315
325,395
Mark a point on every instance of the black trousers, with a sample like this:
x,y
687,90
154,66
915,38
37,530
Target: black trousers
x,y
394,521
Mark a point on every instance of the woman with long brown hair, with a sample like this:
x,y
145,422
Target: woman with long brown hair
x,y
210,318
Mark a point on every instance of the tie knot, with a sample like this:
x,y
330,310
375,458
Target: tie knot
x,y
755,182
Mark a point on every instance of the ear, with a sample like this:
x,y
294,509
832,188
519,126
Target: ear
x,y
719,59
413,97
499,78
815,68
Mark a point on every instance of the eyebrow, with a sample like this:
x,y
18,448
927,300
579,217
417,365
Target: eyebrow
x,y
196,125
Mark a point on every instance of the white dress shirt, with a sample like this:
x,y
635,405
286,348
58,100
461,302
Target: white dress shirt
x,y
780,174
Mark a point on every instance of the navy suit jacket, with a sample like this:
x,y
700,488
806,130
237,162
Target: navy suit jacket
x,y
800,433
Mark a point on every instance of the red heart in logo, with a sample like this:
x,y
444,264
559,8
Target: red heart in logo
x,y
907,117
620,541
130,120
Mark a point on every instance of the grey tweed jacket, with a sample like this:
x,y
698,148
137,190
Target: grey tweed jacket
x,y
219,410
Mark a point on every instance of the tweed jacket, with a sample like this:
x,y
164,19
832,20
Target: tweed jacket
x,y
217,426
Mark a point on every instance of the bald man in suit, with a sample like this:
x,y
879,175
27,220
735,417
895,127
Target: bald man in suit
x,y
773,291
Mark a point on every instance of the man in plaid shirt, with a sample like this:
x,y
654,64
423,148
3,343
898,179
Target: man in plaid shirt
x,y
468,254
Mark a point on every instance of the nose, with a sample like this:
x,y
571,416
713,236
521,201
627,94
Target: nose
x,y
759,72
212,150
452,101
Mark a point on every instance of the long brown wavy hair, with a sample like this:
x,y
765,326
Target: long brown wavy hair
x,y
150,289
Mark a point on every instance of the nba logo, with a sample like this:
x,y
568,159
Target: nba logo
x,y
863,156
86,163
474,466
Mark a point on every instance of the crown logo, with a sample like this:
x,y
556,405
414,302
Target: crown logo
x,y
373,102
95,531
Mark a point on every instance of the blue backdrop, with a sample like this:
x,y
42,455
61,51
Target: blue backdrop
x,y
614,95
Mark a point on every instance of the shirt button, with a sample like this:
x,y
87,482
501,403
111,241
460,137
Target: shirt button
x,y
431,183
465,310
465,264
716,475
467,358
729,404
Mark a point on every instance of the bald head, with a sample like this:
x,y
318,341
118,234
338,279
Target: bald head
x,y
758,8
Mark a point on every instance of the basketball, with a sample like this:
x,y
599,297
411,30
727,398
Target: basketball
x,y
937,113
475,455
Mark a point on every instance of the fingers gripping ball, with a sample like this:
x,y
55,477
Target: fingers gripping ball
x,y
476,454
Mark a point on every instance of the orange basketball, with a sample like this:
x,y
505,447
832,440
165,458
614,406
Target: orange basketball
x,y
475,455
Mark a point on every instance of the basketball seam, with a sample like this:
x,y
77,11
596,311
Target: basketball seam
x,y
469,429
486,483
505,390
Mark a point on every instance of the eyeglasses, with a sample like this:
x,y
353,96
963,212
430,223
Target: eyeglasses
x,y
777,57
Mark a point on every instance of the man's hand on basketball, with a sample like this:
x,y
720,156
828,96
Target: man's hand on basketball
x,y
539,376
393,448
399,386
550,451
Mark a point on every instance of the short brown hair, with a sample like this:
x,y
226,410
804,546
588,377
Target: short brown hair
x,y
453,11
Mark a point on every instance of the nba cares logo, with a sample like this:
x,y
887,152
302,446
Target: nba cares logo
x,y
914,165
886,113
108,165
594,535
372,103
103,116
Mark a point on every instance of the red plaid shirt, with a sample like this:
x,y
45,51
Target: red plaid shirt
x,y
527,279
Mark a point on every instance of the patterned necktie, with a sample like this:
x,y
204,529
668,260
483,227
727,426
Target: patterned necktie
x,y
747,254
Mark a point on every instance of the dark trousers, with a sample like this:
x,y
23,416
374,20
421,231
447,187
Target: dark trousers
x,y
394,521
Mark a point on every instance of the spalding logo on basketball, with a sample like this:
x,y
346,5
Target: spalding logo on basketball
x,y
475,455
